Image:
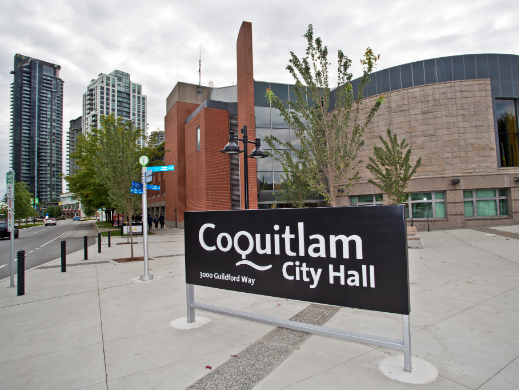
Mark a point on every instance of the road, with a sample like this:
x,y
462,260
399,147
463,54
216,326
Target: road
x,y
43,243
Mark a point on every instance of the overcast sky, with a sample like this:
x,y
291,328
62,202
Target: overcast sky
x,y
157,42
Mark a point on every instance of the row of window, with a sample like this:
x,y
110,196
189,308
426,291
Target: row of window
x,y
477,203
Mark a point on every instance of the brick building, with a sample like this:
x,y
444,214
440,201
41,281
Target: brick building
x,y
458,113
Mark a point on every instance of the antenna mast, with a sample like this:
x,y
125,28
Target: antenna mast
x,y
200,71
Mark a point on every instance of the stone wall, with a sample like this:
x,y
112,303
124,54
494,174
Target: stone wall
x,y
451,126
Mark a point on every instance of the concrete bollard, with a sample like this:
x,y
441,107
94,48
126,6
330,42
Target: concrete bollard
x,y
85,242
63,256
21,273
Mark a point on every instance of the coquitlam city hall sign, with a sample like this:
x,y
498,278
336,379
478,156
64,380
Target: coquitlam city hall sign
x,y
346,256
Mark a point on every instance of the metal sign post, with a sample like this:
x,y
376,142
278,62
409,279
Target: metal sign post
x,y
143,161
10,218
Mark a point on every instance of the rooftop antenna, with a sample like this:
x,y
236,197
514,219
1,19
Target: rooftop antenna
x,y
200,71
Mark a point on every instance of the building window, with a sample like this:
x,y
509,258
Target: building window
x,y
367,200
425,205
506,113
198,138
485,203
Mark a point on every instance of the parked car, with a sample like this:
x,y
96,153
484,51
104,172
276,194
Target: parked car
x,y
76,219
5,233
50,221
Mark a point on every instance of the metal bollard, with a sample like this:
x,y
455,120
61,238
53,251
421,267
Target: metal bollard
x,y
85,241
21,273
109,239
63,256
98,242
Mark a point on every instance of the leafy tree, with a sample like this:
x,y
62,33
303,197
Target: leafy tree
x,y
392,167
117,165
22,201
330,136
54,211
84,182
154,150
89,211
295,188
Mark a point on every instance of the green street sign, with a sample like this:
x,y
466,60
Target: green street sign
x,y
143,160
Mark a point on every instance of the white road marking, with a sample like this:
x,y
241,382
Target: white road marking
x,y
2,266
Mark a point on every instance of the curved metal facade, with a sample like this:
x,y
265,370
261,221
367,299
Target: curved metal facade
x,y
501,69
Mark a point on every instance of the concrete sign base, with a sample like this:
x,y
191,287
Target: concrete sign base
x,y
421,373
181,323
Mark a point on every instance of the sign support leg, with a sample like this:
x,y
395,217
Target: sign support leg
x,y
407,342
190,297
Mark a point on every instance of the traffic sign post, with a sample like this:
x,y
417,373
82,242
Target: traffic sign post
x,y
143,161
10,218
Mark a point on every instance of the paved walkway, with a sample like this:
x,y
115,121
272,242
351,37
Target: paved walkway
x,y
97,326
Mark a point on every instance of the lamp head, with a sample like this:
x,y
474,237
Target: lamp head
x,y
257,152
231,147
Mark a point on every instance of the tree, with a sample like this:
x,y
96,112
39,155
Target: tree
x,y
117,165
22,201
89,211
54,211
330,136
154,149
86,184
295,189
392,168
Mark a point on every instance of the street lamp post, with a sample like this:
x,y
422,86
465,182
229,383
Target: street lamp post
x,y
233,148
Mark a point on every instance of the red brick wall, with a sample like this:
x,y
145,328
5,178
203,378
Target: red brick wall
x,y
246,106
208,171
218,169
174,133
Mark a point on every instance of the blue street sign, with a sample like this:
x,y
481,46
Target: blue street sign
x,y
148,179
136,191
136,185
153,187
162,168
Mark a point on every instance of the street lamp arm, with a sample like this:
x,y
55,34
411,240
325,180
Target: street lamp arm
x,y
232,147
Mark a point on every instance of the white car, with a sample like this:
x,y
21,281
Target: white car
x,y
50,221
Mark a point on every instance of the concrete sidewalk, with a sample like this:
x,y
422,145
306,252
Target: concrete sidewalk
x,y
98,327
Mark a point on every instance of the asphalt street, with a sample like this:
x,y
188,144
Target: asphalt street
x,y
43,243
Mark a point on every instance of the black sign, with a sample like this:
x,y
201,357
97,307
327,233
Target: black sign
x,y
346,256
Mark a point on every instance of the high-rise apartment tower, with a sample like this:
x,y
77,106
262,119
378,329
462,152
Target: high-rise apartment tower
x,y
37,126
74,131
114,93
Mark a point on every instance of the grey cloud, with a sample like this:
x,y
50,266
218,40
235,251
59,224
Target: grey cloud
x,y
157,41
